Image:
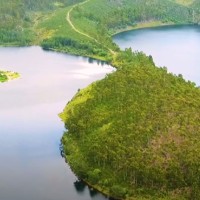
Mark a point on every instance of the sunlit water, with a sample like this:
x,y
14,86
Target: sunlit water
x,y
176,47
31,167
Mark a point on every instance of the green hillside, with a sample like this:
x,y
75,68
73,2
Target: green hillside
x,y
120,14
138,139
101,19
19,17
25,22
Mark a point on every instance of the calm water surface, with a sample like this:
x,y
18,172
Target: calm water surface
x,y
31,167
176,47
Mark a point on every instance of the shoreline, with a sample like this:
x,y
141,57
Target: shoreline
x,y
90,186
148,26
139,26
96,187
142,25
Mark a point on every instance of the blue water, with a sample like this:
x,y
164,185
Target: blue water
x,y
176,47
31,167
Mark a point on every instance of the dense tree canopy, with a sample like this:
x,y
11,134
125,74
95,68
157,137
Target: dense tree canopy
x,y
136,132
24,22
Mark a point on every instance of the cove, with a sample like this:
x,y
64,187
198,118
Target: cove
x,y
176,47
31,167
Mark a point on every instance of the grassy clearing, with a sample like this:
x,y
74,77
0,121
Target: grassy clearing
x,y
54,32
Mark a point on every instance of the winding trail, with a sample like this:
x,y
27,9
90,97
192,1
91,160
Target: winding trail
x,y
68,18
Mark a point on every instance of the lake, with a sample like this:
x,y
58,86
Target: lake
x,y
31,167
176,47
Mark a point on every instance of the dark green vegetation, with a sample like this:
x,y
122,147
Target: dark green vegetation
x,y
135,134
101,19
115,15
12,19
26,22
18,19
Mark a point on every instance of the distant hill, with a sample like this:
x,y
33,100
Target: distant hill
x,y
101,19
19,18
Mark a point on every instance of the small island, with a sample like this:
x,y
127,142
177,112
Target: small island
x,y
8,75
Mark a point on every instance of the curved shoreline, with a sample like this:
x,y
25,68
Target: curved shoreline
x,y
97,188
141,27
134,28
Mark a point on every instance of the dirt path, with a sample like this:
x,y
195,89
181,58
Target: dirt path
x,y
68,18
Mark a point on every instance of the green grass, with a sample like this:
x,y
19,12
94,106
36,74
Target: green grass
x,y
101,19
55,27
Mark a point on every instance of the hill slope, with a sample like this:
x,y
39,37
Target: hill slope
x,y
136,133
25,22
101,19
138,139
18,17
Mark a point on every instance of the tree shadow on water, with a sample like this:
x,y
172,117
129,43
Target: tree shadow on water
x,y
80,186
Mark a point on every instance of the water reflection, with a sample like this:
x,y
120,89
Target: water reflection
x,y
79,186
92,192
99,62
30,130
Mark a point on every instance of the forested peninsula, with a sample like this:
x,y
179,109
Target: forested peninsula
x,y
135,134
